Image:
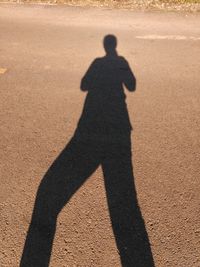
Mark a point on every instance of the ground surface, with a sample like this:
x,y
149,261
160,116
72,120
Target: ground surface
x,y
46,51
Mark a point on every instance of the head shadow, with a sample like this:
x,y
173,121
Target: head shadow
x,y
102,137
110,44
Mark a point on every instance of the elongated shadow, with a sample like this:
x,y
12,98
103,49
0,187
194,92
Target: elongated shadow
x,y
102,138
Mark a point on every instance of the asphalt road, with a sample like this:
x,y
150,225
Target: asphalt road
x,y
44,53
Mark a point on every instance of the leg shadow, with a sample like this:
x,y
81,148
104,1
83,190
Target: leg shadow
x,y
127,222
68,172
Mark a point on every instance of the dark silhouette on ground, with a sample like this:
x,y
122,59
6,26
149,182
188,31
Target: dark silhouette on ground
x,y
102,138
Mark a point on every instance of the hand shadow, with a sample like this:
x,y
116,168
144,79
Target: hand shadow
x,y
102,138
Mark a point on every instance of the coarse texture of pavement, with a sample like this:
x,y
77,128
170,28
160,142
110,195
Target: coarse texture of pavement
x,y
46,51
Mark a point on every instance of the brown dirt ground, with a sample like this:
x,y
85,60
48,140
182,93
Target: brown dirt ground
x,y
46,51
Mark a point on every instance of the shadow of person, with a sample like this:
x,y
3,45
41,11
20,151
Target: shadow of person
x,y
102,138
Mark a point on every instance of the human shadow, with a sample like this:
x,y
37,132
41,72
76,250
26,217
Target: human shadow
x,y
102,137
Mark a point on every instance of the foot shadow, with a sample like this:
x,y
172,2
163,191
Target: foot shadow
x,y
102,138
